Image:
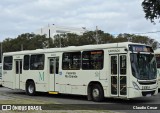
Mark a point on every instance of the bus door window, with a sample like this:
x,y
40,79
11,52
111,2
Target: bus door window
x,y
113,75
19,67
52,64
118,75
123,82
123,64
113,65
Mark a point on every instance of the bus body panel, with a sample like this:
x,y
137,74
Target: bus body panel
x,y
8,79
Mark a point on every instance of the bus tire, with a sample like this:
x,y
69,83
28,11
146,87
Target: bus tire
x,y
97,93
30,88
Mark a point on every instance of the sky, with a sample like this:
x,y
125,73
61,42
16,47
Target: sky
x,y
111,16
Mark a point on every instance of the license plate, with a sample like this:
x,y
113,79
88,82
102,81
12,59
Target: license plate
x,y
148,95
145,87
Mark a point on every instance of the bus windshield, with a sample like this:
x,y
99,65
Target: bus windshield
x,y
143,66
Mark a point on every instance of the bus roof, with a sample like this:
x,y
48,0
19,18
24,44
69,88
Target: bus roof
x,y
73,48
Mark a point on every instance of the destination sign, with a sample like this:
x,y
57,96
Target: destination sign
x,y
140,48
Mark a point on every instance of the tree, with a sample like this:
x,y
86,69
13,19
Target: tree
x,y
105,38
25,41
72,39
122,38
151,9
31,41
88,38
60,40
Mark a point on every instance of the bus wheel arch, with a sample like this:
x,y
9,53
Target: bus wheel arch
x,y
30,87
95,91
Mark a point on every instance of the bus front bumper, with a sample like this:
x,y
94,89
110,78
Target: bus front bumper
x,y
134,93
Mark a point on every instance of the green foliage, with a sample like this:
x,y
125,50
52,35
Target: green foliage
x,y
151,9
29,41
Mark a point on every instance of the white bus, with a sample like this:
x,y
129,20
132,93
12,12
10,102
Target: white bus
x,y
118,70
157,54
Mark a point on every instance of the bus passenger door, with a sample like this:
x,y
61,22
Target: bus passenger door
x,y
118,75
18,72
53,71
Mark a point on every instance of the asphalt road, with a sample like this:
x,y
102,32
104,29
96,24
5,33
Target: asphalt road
x,y
75,99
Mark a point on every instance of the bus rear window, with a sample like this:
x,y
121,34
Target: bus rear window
x,y
7,63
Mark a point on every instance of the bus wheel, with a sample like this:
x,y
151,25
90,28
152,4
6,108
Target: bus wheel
x,y
97,93
30,89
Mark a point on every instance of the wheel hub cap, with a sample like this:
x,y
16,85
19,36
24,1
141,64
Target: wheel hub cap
x,y
95,92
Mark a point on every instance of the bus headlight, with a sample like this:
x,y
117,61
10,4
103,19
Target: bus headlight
x,y
135,86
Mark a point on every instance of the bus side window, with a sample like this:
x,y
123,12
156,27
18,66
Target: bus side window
x,y
71,61
92,60
26,62
37,62
7,64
